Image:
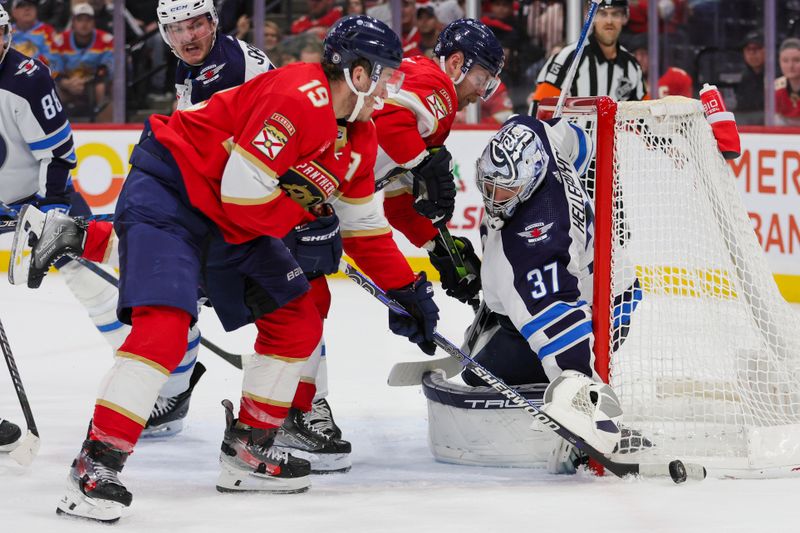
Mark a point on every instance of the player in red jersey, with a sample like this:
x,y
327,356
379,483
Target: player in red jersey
x,y
412,128
207,172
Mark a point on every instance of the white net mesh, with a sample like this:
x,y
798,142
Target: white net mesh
x,y
710,367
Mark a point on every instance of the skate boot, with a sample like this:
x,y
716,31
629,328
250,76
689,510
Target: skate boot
x,y
93,489
10,434
320,418
166,418
327,455
250,462
50,236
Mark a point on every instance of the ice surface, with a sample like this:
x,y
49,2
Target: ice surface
x,y
394,485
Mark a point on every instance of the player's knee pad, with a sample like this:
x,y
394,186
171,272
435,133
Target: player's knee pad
x,y
293,331
99,298
586,407
159,335
478,426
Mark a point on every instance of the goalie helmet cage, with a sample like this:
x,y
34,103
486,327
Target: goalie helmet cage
x,y
709,368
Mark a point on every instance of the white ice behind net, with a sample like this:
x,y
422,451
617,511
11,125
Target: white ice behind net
x,y
710,368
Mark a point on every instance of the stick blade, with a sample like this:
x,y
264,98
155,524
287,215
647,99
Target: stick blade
x,y
408,374
27,449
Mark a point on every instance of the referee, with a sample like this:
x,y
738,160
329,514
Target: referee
x,y
605,68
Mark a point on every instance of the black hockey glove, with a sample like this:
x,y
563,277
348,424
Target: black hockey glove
x,y
417,299
317,245
434,187
463,286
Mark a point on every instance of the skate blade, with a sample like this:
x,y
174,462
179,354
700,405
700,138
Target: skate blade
x,y
30,222
162,431
235,480
25,449
322,463
75,504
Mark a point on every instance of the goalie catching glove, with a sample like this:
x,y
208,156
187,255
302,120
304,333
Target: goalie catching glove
x,y
417,299
434,187
461,286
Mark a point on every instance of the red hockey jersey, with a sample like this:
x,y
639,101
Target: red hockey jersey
x,y
366,235
233,147
420,117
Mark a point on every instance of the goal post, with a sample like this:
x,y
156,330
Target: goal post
x,y
690,327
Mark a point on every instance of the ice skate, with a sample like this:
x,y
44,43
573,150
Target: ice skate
x,y
93,490
327,455
169,412
250,462
10,434
320,418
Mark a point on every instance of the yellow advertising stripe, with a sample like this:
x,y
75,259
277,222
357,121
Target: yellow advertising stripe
x,y
677,280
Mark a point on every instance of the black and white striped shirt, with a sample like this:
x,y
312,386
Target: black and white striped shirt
x,y
620,78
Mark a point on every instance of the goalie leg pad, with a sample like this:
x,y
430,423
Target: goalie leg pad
x,y
586,407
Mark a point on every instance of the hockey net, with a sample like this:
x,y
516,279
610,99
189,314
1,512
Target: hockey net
x,y
690,328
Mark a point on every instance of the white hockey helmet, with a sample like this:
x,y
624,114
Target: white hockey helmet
x,y
5,24
172,11
510,169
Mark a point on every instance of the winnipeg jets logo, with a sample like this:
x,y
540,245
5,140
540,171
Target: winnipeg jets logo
x,y
536,232
270,141
210,73
27,67
436,106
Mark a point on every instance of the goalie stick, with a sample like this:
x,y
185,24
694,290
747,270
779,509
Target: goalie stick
x,y
28,446
676,469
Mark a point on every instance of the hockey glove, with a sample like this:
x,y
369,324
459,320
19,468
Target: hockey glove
x,y
434,187
417,299
461,286
317,245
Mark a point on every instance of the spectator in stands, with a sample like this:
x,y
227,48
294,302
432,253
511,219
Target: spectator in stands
x,y
355,7
143,25
546,24
272,37
311,52
750,90
672,15
33,37
408,26
87,59
243,26
501,20
103,15
674,82
321,16
787,87
55,13
449,10
429,28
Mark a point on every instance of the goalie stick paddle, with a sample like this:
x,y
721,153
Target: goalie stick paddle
x,y
28,446
676,469
409,373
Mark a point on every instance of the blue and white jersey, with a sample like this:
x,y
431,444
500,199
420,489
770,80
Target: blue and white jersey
x,y
230,62
36,148
537,269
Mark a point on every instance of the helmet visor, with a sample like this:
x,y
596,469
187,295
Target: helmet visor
x,y
186,35
387,78
484,83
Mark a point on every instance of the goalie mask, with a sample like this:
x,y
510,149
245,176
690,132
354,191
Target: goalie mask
x,y
510,169
188,26
5,27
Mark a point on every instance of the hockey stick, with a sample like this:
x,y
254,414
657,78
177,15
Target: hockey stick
x,y
232,358
11,224
573,67
28,447
676,469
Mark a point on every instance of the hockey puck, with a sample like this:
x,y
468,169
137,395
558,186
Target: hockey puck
x,y
677,471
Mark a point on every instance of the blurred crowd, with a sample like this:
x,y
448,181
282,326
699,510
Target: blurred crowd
x,y
701,41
